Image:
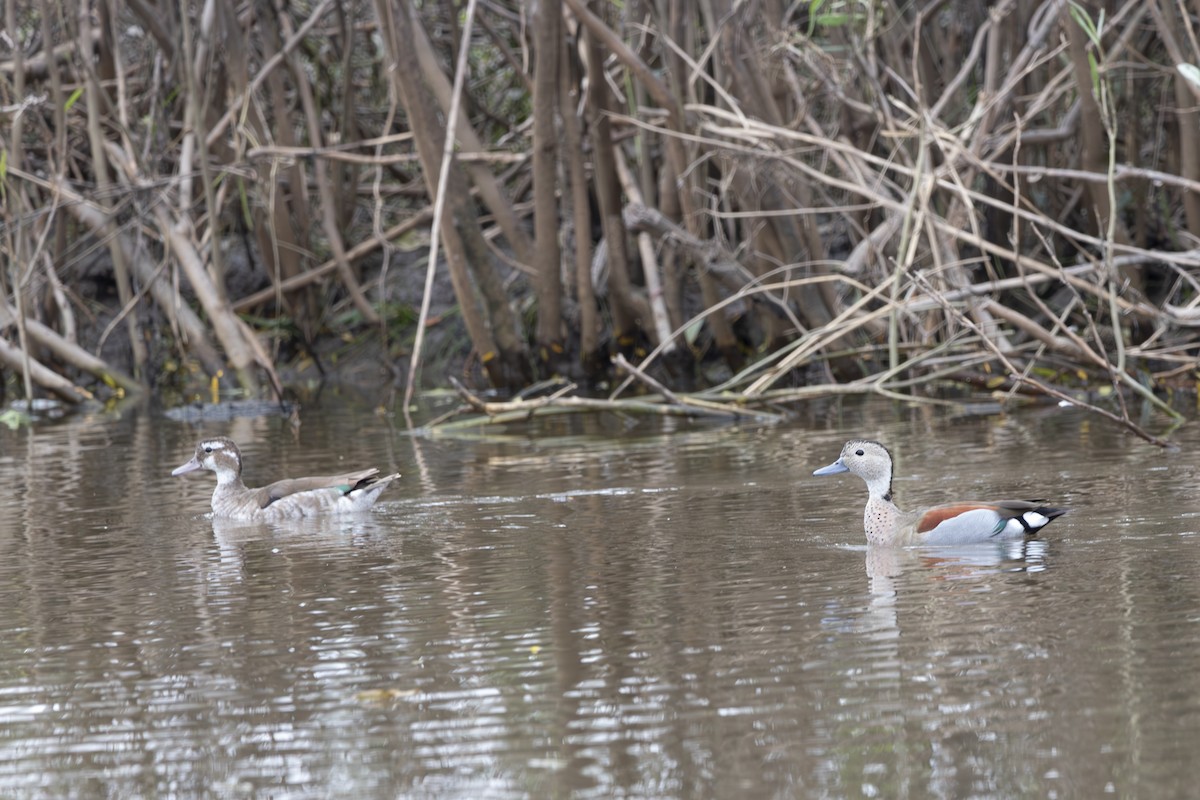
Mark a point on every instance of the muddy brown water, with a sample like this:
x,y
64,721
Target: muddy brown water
x,y
595,609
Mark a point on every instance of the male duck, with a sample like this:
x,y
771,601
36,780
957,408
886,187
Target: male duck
x,y
287,499
953,523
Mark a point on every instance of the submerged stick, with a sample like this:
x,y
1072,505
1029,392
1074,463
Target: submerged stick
x,y
709,406
496,413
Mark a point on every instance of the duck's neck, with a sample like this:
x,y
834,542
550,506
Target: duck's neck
x,y
229,479
880,490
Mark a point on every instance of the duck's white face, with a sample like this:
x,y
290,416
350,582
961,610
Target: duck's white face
x,y
219,455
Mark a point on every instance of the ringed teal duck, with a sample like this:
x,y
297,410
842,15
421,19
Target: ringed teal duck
x,y
287,499
952,523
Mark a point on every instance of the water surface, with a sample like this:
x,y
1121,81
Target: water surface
x,y
613,608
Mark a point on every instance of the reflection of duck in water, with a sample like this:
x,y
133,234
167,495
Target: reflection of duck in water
x,y
952,523
950,562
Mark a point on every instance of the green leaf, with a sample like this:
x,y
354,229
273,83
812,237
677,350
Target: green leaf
x,y
75,95
14,419
1080,15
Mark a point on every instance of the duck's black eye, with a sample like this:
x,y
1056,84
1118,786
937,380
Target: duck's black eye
x,y
858,452
209,450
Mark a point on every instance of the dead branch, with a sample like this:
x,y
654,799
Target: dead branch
x,y
19,361
1020,376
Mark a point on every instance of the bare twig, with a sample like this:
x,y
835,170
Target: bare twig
x,y
1020,377
460,74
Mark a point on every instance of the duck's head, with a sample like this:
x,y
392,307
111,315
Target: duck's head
x,y
870,461
219,455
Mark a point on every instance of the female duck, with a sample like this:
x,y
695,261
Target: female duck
x,y
953,523
287,499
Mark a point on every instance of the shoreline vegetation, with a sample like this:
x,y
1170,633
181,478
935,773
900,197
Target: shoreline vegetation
x,y
706,208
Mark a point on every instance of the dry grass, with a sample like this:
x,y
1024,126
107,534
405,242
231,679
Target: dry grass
x,y
728,211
